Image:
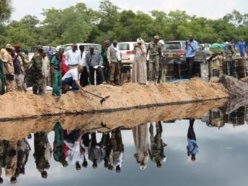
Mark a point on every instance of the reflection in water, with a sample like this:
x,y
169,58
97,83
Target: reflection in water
x,y
82,149
42,153
156,151
218,118
141,145
13,158
192,147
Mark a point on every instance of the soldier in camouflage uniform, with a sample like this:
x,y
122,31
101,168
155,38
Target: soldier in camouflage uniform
x,y
42,152
154,49
36,72
2,79
8,67
55,66
156,151
11,161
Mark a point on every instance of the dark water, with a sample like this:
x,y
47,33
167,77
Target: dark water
x,y
222,159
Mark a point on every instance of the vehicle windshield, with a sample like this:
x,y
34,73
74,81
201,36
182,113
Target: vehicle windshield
x,y
123,46
45,48
173,45
86,47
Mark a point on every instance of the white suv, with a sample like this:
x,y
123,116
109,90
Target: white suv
x,y
126,49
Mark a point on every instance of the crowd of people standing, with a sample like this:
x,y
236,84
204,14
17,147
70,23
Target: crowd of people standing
x,y
75,68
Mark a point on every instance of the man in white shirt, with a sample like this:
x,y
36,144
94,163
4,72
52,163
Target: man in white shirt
x,y
71,78
72,58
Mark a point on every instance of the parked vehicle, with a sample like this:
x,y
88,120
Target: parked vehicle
x,y
206,46
86,46
175,59
126,49
174,51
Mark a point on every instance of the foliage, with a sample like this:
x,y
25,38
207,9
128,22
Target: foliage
x,y
79,23
5,10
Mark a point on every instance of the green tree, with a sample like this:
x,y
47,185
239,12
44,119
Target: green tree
x,y
5,10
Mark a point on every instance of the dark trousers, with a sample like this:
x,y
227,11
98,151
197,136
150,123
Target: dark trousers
x,y
99,75
190,65
84,78
70,82
191,132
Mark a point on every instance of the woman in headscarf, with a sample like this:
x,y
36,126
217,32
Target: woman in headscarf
x,y
141,145
139,72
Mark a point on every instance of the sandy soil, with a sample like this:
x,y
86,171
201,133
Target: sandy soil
x,y
128,105
14,130
23,105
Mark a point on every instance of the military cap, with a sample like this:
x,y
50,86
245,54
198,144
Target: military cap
x,y
39,47
9,46
156,37
107,42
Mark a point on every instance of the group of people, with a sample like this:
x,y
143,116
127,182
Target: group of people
x,y
80,148
77,68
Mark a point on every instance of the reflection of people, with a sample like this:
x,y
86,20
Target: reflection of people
x,y
1,159
23,149
11,161
141,145
73,141
156,151
42,152
192,147
59,146
96,152
117,150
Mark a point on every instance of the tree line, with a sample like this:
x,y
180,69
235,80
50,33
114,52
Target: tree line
x,y
79,23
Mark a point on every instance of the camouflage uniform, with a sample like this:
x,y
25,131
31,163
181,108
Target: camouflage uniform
x,y
156,151
7,61
11,159
154,57
37,75
42,151
20,75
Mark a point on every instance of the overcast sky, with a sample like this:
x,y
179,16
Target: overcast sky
x,y
207,8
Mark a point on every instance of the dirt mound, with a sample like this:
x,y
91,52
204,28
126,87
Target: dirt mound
x,y
24,105
14,130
